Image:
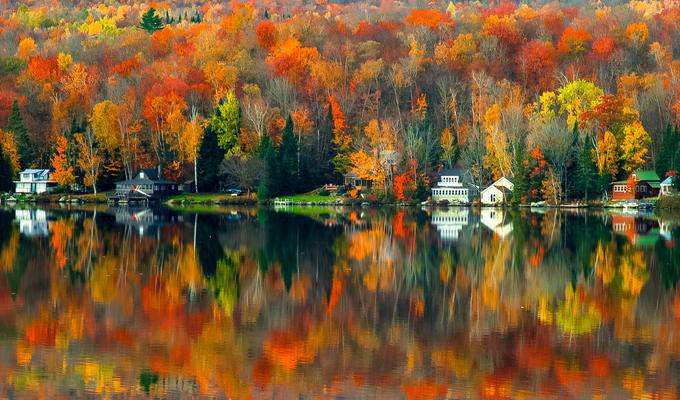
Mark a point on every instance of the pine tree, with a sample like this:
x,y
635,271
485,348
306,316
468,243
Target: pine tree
x,y
15,124
287,156
151,22
571,187
586,177
267,153
666,159
520,180
6,172
210,155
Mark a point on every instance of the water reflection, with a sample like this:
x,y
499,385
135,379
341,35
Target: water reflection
x,y
333,302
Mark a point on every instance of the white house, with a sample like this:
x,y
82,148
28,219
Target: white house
x,y
34,181
666,187
452,188
498,192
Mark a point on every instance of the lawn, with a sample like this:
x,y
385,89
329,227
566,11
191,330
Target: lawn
x,y
209,198
308,198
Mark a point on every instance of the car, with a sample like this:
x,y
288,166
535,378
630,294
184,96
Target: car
x,y
233,192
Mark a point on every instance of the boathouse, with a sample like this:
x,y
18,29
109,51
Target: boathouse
x,y
147,186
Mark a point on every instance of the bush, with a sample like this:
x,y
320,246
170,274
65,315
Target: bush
x,y
324,192
669,202
262,192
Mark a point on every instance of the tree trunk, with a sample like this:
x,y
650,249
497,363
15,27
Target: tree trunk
x,y
195,173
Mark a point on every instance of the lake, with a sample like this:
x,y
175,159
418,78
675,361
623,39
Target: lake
x,y
338,303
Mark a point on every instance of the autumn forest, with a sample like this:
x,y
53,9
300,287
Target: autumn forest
x,y
282,97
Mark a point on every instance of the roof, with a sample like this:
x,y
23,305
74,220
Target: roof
x,y
668,181
647,175
452,172
654,185
142,181
34,171
151,173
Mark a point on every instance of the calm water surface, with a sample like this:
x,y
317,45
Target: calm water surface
x,y
333,303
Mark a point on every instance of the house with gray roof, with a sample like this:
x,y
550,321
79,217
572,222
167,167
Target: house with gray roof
x,y
34,181
147,186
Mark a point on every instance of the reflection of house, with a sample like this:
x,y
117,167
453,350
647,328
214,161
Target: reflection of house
x,y
639,185
495,220
666,187
498,192
34,181
32,222
145,220
148,185
639,231
453,187
450,222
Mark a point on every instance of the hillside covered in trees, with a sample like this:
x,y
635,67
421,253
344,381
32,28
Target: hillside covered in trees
x,y
285,96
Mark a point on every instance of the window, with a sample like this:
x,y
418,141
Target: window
x,y
493,197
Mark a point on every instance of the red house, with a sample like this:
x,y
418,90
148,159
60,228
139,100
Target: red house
x,y
639,185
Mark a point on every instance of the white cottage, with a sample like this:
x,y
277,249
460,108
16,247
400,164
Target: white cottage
x,y
498,192
666,187
34,181
452,188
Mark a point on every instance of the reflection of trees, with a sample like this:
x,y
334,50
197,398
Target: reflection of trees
x,y
255,304
224,284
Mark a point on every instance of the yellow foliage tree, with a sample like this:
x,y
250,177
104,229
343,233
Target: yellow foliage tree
x,y
634,146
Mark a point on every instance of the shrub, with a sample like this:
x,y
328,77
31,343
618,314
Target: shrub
x,y
324,192
262,192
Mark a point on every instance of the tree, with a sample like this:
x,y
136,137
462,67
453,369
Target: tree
x,y
190,142
449,148
669,153
634,147
15,124
606,155
520,189
63,172
210,156
287,158
151,22
342,140
226,123
244,172
90,160
269,183
6,172
585,178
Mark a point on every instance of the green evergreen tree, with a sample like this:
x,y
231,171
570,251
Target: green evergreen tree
x,y
15,124
210,155
151,22
586,177
6,173
520,190
267,152
571,187
669,152
287,156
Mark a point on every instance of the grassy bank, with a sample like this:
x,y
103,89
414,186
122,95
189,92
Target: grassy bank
x,y
99,198
309,198
210,198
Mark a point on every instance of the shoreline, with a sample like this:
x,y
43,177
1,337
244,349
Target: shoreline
x,y
219,199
